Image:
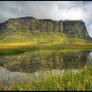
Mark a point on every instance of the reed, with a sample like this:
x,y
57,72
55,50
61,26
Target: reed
x,y
69,81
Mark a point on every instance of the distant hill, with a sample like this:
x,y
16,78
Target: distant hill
x,y
29,30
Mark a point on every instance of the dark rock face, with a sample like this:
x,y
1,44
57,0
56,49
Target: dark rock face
x,y
72,28
75,29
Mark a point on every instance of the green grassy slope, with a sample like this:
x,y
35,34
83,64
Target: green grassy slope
x,y
41,38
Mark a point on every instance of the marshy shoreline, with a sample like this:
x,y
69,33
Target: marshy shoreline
x,y
68,81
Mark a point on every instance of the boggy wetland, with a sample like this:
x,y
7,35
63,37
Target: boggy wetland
x,y
46,69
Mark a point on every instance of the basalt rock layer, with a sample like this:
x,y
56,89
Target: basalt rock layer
x,y
73,28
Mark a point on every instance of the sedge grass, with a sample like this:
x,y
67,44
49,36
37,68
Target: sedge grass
x,y
69,81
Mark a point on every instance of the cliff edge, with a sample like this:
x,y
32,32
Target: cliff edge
x,y
72,28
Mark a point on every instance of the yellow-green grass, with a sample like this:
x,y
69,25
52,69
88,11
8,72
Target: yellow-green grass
x,y
69,81
39,38
43,47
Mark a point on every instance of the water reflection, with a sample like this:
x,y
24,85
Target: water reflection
x,y
36,63
30,62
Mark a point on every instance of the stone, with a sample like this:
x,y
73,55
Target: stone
x,y
73,28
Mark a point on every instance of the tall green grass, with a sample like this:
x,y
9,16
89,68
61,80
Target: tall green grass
x,y
69,81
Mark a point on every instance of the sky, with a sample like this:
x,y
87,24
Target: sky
x,y
56,10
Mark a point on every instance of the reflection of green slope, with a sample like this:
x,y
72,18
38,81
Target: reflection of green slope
x,y
75,60
43,38
44,60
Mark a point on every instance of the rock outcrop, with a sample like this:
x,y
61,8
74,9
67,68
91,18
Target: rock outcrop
x,y
72,28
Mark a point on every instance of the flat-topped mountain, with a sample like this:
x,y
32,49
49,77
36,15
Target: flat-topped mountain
x,y
71,28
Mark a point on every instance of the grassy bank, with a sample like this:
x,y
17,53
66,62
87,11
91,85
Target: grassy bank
x,y
26,37
81,81
39,47
18,49
41,40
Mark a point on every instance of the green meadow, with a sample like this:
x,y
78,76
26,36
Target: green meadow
x,y
39,38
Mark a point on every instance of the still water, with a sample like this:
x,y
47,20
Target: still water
x,y
40,61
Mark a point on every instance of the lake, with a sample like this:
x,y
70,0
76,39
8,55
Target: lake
x,y
38,62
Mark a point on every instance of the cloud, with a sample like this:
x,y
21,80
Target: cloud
x,y
56,10
43,9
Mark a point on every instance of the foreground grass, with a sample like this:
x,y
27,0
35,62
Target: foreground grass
x,y
69,81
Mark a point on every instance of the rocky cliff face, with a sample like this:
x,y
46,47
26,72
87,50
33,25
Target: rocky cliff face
x,y
72,28
75,28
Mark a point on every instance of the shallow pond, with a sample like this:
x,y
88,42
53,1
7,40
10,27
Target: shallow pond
x,y
40,61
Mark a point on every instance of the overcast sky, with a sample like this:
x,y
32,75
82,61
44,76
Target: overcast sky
x,y
56,10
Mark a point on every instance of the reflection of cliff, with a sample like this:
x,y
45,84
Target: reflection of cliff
x,y
72,28
44,60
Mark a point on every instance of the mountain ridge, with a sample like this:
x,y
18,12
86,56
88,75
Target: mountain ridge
x,y
31,25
